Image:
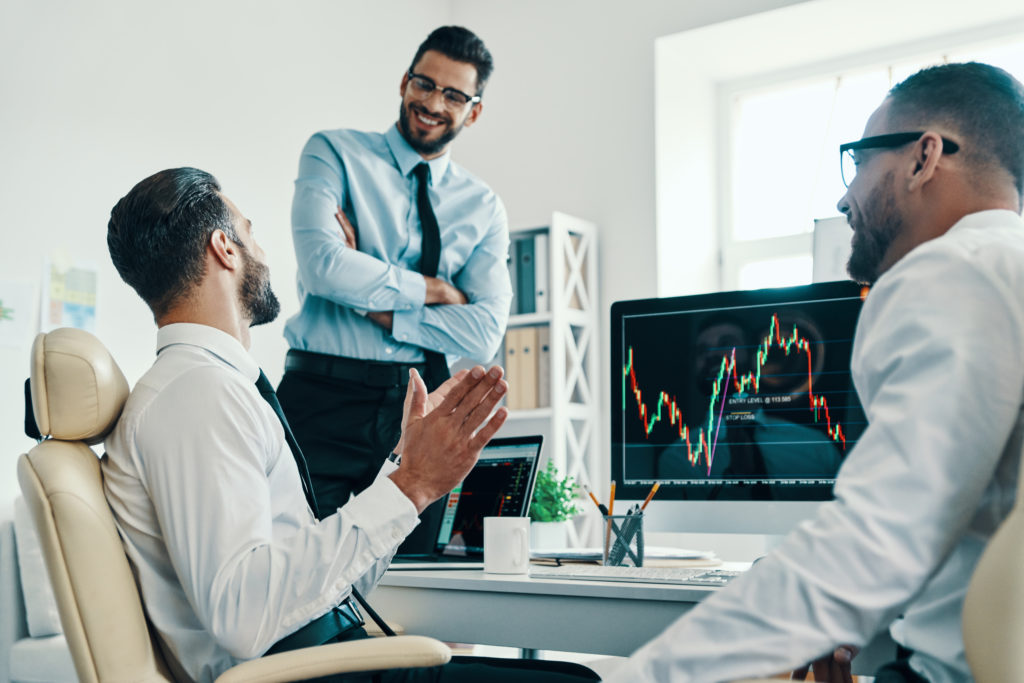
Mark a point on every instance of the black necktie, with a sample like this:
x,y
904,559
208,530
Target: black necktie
x,y
437,366
266,390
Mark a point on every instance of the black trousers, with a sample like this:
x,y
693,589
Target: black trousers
x,y
346,430
472,670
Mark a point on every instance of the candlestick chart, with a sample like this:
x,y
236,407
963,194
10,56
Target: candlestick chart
x,y
701,446
759,392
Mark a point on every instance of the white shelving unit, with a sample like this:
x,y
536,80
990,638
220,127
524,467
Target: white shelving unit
x,y
571,423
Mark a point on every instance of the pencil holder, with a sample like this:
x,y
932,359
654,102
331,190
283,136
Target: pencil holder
x,y
624,540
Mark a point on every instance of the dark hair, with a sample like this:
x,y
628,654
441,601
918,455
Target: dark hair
x,y
158,233
462,45
982,103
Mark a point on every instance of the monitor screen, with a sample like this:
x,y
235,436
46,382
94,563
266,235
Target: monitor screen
x,y
735,396
499,485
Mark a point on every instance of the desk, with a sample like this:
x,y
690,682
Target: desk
x,y
609,618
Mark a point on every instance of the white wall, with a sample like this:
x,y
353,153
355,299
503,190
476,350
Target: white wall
x,y
96,95
568,123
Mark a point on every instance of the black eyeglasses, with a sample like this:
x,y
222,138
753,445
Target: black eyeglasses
x,y
422,87
849,160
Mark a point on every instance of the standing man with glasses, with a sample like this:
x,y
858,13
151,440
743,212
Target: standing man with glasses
x,y
934,199
401,263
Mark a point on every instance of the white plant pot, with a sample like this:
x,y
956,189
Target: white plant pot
x,y
549,535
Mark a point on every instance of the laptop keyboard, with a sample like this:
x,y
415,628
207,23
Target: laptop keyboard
x,y
687,576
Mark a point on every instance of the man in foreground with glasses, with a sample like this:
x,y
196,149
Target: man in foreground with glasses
x,y
935,209
401,260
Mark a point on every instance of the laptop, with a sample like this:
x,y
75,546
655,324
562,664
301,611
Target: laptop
x,y
499,485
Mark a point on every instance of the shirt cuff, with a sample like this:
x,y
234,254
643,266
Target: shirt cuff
x,y
406,326
385,513
412,290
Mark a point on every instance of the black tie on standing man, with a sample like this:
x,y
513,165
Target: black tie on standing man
x,y
401,265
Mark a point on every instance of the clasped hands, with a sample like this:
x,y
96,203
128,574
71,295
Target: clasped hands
x,y
444,431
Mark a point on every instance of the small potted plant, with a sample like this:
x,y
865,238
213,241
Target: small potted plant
x,y
553,505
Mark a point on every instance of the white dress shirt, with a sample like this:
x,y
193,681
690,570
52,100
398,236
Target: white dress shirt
x,y
208,500
938,366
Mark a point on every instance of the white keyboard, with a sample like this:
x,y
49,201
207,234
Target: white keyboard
x,y
688,576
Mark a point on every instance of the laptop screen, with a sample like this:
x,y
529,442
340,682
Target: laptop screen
x,y
499,485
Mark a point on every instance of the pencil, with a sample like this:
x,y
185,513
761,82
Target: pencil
x,y
608,529
654,489
602,508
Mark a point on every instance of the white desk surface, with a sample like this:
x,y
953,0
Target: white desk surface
x,y
601,617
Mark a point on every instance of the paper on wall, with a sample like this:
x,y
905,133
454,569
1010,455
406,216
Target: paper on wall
x,y
69,296
17,306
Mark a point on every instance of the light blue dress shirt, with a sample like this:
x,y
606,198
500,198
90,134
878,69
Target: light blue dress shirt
x,y
370,176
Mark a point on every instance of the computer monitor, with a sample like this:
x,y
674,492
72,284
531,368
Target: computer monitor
x,y
740,404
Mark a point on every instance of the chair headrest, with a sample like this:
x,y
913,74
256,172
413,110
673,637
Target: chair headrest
x,y
78,390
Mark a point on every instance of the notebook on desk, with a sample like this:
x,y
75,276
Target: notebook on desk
x,y
499,485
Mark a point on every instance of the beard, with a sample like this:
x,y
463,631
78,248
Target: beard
x,y
258,299
424,147
880,224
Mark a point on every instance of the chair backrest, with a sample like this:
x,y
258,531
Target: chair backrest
x,y
993,618
78,392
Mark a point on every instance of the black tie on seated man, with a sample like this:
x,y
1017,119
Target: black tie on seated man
x,y
209,500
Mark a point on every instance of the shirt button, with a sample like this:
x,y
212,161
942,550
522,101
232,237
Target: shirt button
x,y
388,349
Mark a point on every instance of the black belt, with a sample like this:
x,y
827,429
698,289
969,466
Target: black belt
x,y
339,621
370,373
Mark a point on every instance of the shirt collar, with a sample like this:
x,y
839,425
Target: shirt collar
x,y
407,158
217,342
989,217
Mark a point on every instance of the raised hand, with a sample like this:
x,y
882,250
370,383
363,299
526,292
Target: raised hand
x,y
434,399
444,435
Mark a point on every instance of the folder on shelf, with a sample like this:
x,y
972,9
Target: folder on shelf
x,y
544,366
512,369
513,276
525,274
528,367
540,270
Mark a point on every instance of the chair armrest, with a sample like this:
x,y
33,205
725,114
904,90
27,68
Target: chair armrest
x,y
368,654
373,630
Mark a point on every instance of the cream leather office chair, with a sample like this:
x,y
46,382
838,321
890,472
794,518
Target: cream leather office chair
x,y
78,392
993,619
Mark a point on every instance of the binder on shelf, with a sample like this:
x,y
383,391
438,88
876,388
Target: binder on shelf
x,y
525,275
512,369
544,366
513,276
528,367
540,263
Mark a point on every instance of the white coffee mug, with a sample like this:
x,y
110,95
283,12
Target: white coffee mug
x,y
506,545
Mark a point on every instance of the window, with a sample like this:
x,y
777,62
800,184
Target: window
x,y
783,167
